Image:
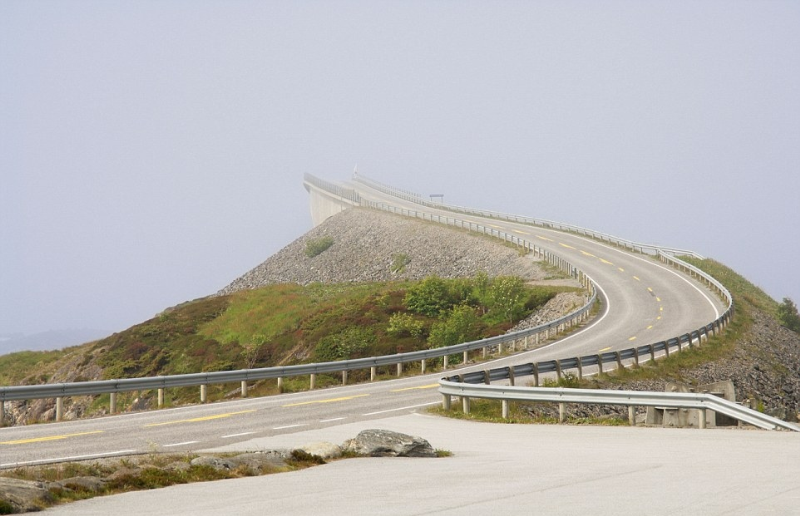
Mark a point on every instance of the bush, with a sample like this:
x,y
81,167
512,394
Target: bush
x,y
399,262
402,324
787,313
348,343
317,246
461,325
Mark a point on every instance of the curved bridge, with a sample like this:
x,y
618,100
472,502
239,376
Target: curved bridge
x,y
644,300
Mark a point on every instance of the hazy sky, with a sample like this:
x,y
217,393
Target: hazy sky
x,y
153,151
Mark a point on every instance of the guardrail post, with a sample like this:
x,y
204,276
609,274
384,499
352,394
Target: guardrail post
x,y
161,397
244,388
399,369
500,348
280,383
444,362
561,412
59,408
466,357
666,347
465,404
344,377
600,364
631,415
487,379
526,342
636,356
558,369
203,393
2,414
701,418
112,409
580,369
372,373
446,401
312,381
483,351
422,367
535,374
652,353
619,361
505,409
510,375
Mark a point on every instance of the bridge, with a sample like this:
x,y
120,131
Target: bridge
x,y
646,298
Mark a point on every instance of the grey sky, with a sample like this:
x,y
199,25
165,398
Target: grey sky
x,y
151,152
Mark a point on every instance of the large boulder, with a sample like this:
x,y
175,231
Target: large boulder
x,y
385,443
23,495
323,449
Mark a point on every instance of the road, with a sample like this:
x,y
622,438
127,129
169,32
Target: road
x,y
644,302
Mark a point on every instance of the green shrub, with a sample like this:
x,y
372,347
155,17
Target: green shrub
x,y
402,324
399,262
317,246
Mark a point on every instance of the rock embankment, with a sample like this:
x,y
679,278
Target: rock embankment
x,y
370,246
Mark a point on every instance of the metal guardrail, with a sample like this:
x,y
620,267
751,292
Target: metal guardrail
x,y
634,246
699,401
550,329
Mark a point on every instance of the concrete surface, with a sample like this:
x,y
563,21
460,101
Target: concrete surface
x,y
517,469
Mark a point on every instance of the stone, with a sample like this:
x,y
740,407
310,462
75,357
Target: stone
x,y
24,495
386,443
323,449
214,462
91,484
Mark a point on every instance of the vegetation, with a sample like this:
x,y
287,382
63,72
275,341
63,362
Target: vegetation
x,y
399,262
317,246
787,313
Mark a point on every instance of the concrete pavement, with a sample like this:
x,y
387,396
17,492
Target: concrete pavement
x,y
521,469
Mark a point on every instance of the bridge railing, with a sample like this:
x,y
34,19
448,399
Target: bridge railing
x,y
682,400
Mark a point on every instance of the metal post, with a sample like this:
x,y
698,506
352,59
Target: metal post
x,y
619,361
312,381
652,353
203,393
344,377
372,373
466,357
580,368
422,367
701,415
561,411
558,369
535,375
600,363
505,409
631,415
161,397
636,356
2,414
465,404
483,351
113,403
280,384
399,369
446,401
59,408
445,362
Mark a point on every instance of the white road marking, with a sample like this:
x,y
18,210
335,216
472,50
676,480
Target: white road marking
x,y
331,420
178,444
236,435
64,459
289,426
403,408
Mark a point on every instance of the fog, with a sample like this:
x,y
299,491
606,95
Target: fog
x,y
151,152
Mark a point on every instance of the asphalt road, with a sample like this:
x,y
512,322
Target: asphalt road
x,y
502,469
644,302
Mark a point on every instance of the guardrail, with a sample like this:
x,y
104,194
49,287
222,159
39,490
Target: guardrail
x,y
699,401
621,242
160,383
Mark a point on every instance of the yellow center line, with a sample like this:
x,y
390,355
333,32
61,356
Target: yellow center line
x,y
636,278
650,327
658,299
584,253
50,438
493,226
606,261
633,338
658,318
198,419
605,349
649,289
660,308
331,400
544,238
520,232
565,245
621,269
431,386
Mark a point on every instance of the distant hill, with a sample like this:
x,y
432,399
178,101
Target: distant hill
x,y
48,340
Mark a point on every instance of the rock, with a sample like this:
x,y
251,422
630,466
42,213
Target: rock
x,y
385,443
91,484
23,495
214,462
259,461
323,449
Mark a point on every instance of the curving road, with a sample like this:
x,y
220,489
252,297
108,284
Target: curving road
x,y
644,302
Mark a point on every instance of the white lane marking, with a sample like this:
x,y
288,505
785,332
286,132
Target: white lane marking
x,y
289,426
236,435
64,459
331,420
403,408
178,444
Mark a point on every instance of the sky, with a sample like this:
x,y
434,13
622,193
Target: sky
x,y
153,151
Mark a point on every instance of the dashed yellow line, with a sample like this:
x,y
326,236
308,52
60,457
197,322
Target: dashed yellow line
x,y
50,438
565,245
605,349
621,269
431,386
636,278
584,253
545,238
493,226
650,290
650,327
658,299
520,232
606,261
199,419
632,338
331,400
